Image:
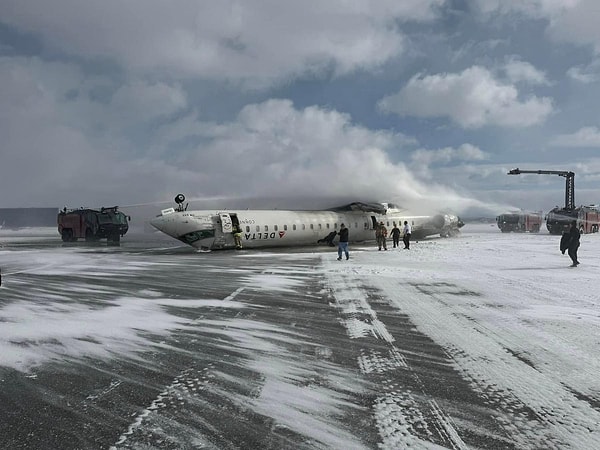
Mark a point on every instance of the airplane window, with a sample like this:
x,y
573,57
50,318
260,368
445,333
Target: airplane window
x,y
366,225
275,228
303,226
257,227
247,229
355,224
320,227
294,227
327,225
285,227
266,227
312,227
335,225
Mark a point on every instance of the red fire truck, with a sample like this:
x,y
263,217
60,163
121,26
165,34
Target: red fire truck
x,y
520,221
587,218
92,225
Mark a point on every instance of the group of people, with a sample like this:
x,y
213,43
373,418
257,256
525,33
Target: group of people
x,y
568,243
381,234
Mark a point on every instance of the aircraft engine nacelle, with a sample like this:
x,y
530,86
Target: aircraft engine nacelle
x,y
451,225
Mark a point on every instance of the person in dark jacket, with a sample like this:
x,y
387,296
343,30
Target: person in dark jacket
x,y
343,243
395,235
564,241
573,244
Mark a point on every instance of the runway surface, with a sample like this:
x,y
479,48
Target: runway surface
x,y
153,345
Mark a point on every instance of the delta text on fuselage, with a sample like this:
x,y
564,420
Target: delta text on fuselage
x,y
213,230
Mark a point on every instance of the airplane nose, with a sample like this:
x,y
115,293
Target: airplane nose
x,y
160,223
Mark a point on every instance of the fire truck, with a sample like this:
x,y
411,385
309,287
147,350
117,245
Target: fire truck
x,y
587,218
92,225
559,219
520,221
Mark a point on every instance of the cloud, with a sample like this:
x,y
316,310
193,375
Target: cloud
x,y
60,146
538,9
522,71
584,137
465,152
253,42
273,149
435,164
473,98
80,152
577,24
147,101
573,21
589,73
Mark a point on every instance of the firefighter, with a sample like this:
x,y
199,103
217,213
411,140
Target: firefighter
x,y
237,236
381,235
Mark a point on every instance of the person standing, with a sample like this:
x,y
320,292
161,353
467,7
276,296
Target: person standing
x,y
237,236
574,236
381,235
343,242
395,235
406,235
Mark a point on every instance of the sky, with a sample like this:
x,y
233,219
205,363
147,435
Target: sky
x,y
522,333
426,103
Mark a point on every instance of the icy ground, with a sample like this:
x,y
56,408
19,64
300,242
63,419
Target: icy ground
x,y
487,340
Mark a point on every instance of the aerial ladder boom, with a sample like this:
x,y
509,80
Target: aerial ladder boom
x,y
570,183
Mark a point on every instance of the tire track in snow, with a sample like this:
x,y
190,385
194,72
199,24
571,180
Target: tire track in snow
x,y
175,395
399,419
534,409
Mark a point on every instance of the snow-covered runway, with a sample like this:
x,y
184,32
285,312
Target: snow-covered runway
x,y
487,340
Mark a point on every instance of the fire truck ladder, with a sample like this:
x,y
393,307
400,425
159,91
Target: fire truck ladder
x,y
570,183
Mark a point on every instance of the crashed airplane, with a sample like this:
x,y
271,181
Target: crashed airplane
x,y
213,230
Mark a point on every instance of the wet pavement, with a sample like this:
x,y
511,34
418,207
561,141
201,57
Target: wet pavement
x,y
153,345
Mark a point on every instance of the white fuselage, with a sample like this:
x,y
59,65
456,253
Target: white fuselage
x,y
212,230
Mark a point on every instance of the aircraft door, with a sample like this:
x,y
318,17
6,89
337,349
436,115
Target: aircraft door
x,y
226,224
374,220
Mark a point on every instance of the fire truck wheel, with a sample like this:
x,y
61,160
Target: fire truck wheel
x,y
113,239
66,234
